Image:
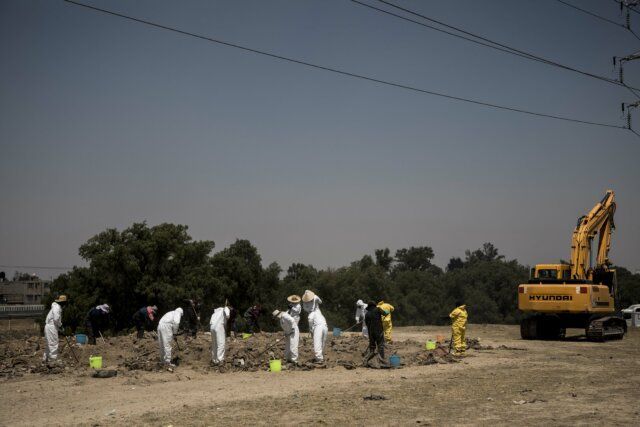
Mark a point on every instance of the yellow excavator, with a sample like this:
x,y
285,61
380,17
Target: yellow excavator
x,y
578,294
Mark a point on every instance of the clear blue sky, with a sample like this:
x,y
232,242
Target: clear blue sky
x,y
105,122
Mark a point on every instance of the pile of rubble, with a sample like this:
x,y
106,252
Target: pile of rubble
x,y
22,356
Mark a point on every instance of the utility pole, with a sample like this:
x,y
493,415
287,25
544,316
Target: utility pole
x,y
619,61
626,7
629,107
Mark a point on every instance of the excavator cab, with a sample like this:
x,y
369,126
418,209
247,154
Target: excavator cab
x,y
550,273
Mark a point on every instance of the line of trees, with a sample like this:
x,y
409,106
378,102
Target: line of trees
x,y
163,266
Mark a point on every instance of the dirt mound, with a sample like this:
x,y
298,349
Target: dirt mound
x,y
19,356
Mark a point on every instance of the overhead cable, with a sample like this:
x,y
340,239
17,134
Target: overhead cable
x,y
595,15
506,48
344,73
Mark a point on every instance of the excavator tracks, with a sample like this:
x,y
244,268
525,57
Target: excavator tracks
x,y
606,328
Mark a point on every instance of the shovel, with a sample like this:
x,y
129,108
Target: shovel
x,y
351,327
71,348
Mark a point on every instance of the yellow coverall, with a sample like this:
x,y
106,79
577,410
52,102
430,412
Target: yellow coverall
x,y
387,327
458,327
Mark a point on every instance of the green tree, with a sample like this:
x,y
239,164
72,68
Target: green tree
x,y
454,264
384,259
414,258
138,266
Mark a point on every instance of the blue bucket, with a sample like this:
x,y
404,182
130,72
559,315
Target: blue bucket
x,y
394,360
337,332
81,338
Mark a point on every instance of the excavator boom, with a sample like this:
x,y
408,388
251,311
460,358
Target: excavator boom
x,y
599,221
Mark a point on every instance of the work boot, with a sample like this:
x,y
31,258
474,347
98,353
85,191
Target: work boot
x,y
367,358
140,334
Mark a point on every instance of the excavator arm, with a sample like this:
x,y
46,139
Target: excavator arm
x,y
599,221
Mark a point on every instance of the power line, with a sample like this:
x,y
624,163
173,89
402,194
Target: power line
x,y
599,17
36,267
344,73
404,18
509,49
595,15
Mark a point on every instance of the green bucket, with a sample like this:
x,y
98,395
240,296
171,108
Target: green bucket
x,y
275,365
95,362
430,345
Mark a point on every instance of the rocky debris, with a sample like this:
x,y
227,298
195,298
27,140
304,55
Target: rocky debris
x,y
105,373
375,397
126,353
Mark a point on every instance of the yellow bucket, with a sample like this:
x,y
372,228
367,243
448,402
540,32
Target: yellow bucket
x,y
245,336
430,345
275,365
95,362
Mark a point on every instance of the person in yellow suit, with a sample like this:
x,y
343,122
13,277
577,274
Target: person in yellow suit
x,y
386,319
458,328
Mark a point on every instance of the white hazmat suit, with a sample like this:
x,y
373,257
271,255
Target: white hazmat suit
x,y
294,311
317,326
167,327
361,310
217,326
292,336
52,325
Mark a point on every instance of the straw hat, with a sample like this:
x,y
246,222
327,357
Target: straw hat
x,y
61,298
308,296
293,299
276,313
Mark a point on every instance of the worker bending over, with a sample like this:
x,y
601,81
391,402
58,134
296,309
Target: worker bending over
x,y
294,307
218,326
373,321
167,328
143,319
361,311
386,319
291,334
96,321
458,327
53,325
317,324
251,317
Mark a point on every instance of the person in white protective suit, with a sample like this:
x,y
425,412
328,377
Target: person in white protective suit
x,y
291,333
294,307
317,323
167,327
52,325
218,325
361,310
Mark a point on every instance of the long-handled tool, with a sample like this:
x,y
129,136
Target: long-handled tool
x,y
71,348
351,327
269,347
102,338
450,343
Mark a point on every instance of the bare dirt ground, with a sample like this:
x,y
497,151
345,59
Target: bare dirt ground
x,y
515,382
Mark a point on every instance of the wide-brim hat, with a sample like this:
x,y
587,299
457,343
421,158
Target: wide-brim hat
x,y
308,296
276,313
61,298
293,299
